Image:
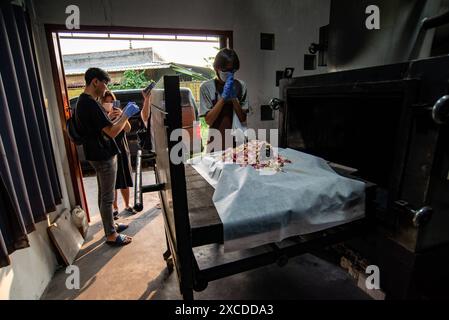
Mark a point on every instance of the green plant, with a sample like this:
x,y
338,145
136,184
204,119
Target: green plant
x,y
132,79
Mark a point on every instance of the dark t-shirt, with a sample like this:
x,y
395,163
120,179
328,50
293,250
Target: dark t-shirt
x,y
92,119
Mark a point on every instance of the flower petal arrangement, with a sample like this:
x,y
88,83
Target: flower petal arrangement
x,y
255,153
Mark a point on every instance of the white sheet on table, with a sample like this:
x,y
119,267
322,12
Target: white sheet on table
x,y
256,209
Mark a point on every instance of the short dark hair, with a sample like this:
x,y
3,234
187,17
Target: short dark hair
x,y
226,56
98,73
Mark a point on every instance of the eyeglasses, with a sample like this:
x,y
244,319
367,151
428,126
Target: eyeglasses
x,y
105,82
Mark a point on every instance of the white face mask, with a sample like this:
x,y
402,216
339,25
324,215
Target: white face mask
x,y
223,75
107,106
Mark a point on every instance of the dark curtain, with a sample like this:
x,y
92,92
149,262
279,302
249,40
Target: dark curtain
x,y
38,98
29,183
13,234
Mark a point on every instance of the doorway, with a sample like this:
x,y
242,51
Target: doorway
x,y
132,57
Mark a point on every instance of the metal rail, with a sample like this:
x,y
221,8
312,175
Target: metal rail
x,y
140,189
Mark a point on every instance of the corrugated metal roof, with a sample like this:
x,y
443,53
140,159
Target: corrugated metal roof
x,y
115,60
149,65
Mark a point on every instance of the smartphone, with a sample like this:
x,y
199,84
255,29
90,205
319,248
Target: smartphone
x,y
116,104
149,87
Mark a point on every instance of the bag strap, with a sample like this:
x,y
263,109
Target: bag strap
x,y
78,123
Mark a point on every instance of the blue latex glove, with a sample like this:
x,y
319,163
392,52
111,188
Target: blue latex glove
x,y
131,109
228,87
233,93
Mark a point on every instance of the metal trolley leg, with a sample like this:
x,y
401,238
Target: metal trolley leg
x,y
139,190
167,256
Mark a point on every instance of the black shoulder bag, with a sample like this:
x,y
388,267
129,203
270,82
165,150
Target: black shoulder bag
x,y
73,131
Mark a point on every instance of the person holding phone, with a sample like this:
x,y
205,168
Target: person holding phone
x,y
146,109
124,169
222,98
145,115
100,147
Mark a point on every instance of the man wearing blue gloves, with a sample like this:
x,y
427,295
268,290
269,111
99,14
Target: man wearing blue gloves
x,y
100,148
220,98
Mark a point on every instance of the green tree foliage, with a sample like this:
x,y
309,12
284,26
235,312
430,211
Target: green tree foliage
x,y
132,79
210,60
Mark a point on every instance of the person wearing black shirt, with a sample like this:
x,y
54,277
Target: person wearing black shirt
x,y
100,147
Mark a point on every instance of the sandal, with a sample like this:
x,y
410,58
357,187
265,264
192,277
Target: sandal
x,y
121,240
115,214
130,210
119,227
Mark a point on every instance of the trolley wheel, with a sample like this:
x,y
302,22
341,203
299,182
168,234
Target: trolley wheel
x,y
200,285
138,207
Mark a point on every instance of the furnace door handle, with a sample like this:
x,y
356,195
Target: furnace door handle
x,y
276,103
436,21
419,216
440,110
422,215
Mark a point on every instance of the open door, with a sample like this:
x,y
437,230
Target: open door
x,y
64,114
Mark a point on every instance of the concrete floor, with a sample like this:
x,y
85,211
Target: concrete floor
x,y
138,271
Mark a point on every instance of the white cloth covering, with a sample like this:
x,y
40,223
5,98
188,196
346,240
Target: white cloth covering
x,y
256,208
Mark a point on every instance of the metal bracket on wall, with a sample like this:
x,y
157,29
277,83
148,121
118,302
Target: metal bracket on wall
x,y
276,103
321,46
